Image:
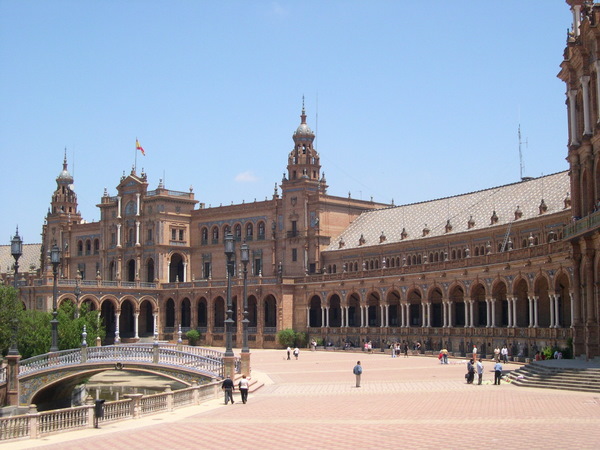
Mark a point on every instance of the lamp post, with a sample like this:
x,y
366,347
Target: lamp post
x,y
77,293
55,260
16,250
229,252
245,257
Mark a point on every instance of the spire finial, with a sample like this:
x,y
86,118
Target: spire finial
x,y
65,160
303,115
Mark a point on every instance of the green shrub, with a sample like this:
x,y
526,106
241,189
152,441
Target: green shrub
x,y
286,338
193,336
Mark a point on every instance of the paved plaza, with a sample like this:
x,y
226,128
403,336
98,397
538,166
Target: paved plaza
x,y
312,403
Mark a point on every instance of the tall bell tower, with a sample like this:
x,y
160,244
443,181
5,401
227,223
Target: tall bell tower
x,y
580,70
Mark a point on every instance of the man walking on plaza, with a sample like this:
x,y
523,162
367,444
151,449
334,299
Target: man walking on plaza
x,y
504,353
228,387
358,372
497,373
479,371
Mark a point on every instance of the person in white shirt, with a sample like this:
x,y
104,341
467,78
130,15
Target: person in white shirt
x,y
243,386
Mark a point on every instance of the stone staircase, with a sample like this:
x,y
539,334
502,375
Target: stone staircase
x,y
572,379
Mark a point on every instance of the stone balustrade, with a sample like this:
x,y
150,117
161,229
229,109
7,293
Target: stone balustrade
x,y
36,424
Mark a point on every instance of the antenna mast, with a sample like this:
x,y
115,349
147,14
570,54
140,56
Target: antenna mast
x,y
521,165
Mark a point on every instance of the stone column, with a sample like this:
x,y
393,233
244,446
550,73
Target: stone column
x,y
137,209
451,318
514,310
137,233
117,337
12,378
118,206
322,317
466,301
552,299
493,304
535,311
471,304
422,315
429,314
487,312
327,316
136,317
510,316
118,235
308,316
573,140
585,85
557,299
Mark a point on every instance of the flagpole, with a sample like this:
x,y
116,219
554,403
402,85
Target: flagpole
x,y
135,161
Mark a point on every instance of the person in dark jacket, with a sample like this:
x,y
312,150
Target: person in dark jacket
x,y
470,371
228,388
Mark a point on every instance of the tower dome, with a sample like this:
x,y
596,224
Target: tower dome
x,y
303,132
64,176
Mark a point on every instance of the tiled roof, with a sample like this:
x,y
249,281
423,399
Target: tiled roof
x,y
477,207
29,258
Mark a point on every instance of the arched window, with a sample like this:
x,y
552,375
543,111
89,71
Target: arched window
x,y
215,235
238,232
204,235
261,231
88,247
249,231
96,246
79,248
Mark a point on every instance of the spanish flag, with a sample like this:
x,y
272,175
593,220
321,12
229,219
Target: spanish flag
x,y
139,147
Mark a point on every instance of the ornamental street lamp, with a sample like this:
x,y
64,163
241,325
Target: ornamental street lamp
x,y
55,260
229,252
77,293
16,250
245,257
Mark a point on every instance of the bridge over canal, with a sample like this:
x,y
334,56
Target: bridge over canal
x,y
52,376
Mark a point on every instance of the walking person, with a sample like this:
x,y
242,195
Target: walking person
x,y
228,387
296,352
289,352
470,372
406,350
497,373
479,371
504,353
243,386
358,372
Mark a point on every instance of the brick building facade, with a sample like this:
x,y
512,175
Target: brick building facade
x,y
510,265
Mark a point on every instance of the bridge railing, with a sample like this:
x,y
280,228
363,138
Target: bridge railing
x,y
206,361
39,424
49,360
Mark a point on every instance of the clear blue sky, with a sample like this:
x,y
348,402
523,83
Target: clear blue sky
x,y
415,100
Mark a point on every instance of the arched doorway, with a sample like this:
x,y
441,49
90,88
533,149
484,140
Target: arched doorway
x,y
335,311
126,319
146,319
314,315
131,270
150,270
176,273
107,315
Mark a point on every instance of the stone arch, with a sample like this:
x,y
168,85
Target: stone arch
x,y
237,231
176,268
500,295
541,288
314,314
270,311
373,302
480,305
353,302
150,270
335,310
521,292
91,302
414,298
562,286
186,313
146,317
219,313
170,314
202,314
204,235
252,312
394,313
435,298
131,270
127,317
108,309
456,295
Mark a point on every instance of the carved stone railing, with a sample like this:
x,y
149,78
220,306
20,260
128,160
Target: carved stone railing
x,y
207,361
39,424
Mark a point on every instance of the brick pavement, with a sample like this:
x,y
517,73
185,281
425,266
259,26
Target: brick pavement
x,y
312,403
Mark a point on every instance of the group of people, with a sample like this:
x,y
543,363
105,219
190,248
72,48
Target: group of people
x,y
473,368
228,387
296,352
443,356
